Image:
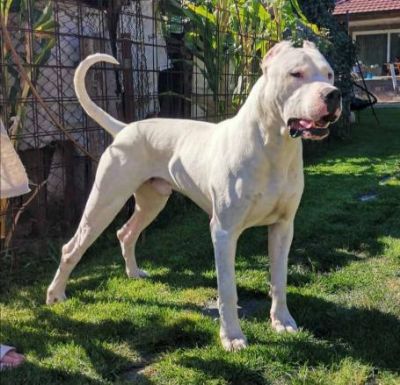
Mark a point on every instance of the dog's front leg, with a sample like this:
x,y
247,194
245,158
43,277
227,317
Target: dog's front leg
x,y
280,237
232,337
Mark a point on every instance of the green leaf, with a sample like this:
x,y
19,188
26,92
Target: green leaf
x,y
202,11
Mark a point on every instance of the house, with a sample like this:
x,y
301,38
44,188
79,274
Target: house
x,y
375,27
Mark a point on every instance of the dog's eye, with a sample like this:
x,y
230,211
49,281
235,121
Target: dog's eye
x,y
330,75
298,75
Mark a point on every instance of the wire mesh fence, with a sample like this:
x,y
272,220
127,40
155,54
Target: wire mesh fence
x,y
171,65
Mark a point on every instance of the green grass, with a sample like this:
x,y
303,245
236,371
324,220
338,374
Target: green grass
x,y
344,291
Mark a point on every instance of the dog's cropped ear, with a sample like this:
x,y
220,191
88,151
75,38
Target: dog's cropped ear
x,y
273,52
309,44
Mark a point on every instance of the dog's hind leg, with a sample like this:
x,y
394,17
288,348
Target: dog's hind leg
x,y
150,199
110,191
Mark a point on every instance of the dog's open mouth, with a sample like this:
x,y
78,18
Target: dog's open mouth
x,y
308,129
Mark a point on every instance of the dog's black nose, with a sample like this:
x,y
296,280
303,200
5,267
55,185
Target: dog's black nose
x,y
332,100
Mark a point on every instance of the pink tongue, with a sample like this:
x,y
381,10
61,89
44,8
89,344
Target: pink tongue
x,y
306,123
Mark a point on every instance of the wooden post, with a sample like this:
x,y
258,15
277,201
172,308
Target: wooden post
x,y
3,218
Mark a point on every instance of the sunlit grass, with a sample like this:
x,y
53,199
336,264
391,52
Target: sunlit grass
x,y
343,290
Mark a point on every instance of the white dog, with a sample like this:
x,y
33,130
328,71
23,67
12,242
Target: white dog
x,y
245,171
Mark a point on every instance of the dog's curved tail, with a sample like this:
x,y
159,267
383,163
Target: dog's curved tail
x,y
111,125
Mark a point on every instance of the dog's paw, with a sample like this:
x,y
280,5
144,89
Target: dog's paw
x,y
234,344
283,322
53,297
138,274
143,274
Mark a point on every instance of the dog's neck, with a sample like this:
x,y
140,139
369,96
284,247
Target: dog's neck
x,y
272,127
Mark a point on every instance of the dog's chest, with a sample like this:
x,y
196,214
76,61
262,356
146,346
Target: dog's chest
x,y
276,197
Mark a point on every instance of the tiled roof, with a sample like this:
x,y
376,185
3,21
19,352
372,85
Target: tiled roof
x,y
361,6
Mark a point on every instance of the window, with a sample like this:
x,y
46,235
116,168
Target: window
x,y
394,45
376,48
372,48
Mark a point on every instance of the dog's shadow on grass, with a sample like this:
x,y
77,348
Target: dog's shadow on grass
x,y
369,336
364,334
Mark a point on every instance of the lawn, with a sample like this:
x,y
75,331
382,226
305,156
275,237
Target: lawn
x,y
344,291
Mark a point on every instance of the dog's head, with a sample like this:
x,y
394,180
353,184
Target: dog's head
x,y
300,81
